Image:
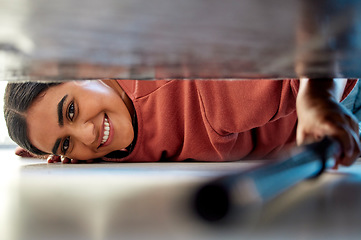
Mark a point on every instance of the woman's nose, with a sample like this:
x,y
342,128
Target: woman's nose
x,y
85,133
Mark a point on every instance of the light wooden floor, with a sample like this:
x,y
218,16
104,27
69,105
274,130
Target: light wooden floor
x,y
152,201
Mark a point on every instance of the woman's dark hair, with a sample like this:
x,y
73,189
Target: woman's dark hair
x,y
17,99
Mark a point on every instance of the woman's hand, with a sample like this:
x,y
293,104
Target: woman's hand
x,y
55,159
320,114
52,158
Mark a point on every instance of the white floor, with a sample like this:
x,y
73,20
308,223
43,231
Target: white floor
x,y
152,201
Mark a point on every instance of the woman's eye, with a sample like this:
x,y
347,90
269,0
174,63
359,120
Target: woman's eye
x,y
65,145
71,111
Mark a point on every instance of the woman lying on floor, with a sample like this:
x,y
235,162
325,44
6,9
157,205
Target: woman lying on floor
x,y
146,121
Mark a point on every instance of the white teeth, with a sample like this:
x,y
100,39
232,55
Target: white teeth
x,y
106,131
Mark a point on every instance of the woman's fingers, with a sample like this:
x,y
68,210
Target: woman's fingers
x,y
351,148
74,161
345,132
53,159
348,139
56,158
66,160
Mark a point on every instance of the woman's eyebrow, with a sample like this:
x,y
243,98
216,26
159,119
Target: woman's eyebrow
x,y
60,122
56,145
60,111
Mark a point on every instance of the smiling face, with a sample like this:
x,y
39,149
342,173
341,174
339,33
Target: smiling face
x,y
81,120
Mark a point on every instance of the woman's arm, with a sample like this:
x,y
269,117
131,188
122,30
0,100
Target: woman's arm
x,y
320,114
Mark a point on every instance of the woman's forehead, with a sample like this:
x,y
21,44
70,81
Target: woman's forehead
x,y
46,100
42,118
50,92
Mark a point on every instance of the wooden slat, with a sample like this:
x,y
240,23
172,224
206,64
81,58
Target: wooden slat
x,y
143,39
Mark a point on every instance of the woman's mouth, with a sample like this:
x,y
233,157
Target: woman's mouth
x,y
106,133
106,130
